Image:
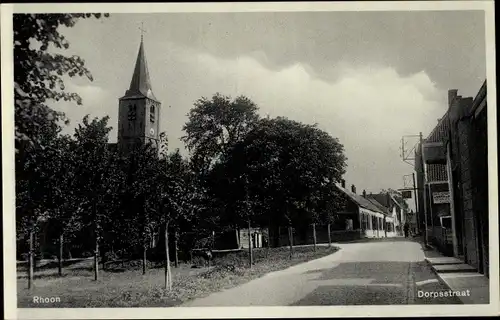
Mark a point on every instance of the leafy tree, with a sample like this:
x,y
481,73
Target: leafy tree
x,y
61,198
31,196
215,126
38,78
290,166
39,71
174,199
142,181
98,177
331,201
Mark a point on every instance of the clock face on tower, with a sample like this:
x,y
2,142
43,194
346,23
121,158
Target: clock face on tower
x,y
152,131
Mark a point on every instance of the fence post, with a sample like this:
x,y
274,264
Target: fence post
x,y
329,237
314,235
176,236
30,260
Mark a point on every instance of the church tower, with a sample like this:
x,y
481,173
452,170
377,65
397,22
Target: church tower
x,y
139,110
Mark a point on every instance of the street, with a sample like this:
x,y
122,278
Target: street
x,y
384,272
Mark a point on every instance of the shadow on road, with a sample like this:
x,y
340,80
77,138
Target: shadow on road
x,y
374,283
388,239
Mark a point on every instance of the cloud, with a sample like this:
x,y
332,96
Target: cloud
x,y
369,108
376,97
95,102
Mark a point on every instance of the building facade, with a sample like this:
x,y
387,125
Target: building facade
x,y
452,178
366,215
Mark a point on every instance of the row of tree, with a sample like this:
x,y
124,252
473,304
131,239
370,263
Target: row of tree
x,y
243,170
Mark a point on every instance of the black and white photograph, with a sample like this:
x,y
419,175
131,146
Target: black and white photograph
x,y
167,159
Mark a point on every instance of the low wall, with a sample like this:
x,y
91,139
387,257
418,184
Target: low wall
x,y
321,236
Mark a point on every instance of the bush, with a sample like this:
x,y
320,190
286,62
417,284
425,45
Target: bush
x,y
199,261
87,254
111,256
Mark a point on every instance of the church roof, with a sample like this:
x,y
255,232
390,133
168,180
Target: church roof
x,y
140,85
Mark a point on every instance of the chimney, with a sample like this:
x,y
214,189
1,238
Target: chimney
x,y
353,189
452,94
342,182
459,108
364,193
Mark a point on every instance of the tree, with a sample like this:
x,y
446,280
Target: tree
x,y
39,71
99,178
330,203
34,172
291,168
175,198
61,198
143,179
215,126
38,77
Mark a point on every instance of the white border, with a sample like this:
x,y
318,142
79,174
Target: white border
x,y
10,301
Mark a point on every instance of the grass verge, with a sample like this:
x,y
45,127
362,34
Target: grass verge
x,y
129,288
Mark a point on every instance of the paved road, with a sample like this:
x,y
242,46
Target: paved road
x,y
367,273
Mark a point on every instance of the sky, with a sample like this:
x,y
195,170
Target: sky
x,y
367,78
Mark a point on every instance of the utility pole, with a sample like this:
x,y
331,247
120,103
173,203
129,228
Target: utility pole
x,y
248,209
425,189
416,203
408,155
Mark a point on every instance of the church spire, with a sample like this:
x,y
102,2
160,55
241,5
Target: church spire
x,y
140,84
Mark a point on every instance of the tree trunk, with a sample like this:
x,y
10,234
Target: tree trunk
x,y
60,264
329,237
96,259
103,256
144,257
168,279
176,250
237,233
290,240
30,260
250,251
314,235
268,242
212,247
279,236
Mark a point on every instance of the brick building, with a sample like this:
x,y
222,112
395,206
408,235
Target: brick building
x,y
452,179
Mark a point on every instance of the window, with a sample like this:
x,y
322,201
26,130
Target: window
x,y
349,224
152,113
132,112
